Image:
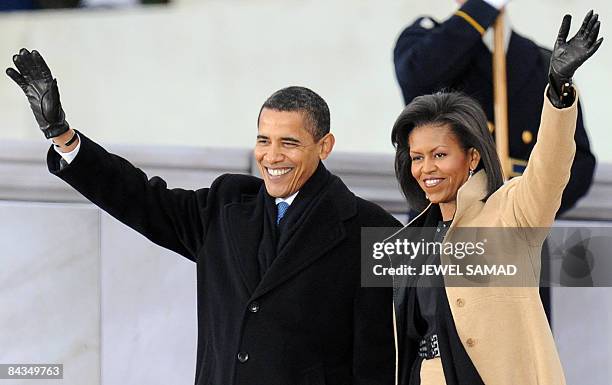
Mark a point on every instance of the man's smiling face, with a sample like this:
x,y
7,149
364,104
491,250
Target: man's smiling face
x,y
286,152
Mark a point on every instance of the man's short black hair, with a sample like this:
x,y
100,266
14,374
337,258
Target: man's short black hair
x,y
302,99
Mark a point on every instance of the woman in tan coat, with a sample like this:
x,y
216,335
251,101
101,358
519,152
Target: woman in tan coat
x,y
447,166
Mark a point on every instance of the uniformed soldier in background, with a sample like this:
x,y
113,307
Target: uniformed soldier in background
x,y
456,55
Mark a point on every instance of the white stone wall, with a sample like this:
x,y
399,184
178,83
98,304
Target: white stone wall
x,y
582,319
196,72
50,289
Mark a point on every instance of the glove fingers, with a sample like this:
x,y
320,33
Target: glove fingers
x,y
31,65
591,24
26,58
50,103
24,64
595,47
564,30
21,66
17,78
24,51
585,22
41,65
593,34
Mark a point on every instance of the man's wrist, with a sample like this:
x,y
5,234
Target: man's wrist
x,y
67,141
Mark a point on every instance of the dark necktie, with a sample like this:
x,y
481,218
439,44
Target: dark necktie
x,y
281,209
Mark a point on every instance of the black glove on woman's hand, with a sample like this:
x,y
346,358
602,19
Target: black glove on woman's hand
x,y
34,78
567,56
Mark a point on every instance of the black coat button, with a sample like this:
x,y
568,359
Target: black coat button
x,y
243,357
254,307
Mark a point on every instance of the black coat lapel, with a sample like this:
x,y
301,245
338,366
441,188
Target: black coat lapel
x,y
244,224
304,201
320,228
269,238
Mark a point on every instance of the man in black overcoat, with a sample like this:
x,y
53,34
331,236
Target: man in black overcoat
x,y
277,259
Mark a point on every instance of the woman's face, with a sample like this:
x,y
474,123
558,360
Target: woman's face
x,y
439,163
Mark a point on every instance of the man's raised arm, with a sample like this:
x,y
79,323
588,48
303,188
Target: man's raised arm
x,y
172,218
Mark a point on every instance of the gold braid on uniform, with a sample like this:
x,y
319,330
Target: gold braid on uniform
x,y
471,21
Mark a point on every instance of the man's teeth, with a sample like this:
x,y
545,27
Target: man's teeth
x,y
432,182
278,171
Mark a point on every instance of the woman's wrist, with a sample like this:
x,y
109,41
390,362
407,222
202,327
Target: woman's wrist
x,y
561,92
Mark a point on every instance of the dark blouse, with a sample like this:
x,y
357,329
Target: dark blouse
x,y
427,313
428,288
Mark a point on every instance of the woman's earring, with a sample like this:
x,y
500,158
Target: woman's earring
x,y
470,173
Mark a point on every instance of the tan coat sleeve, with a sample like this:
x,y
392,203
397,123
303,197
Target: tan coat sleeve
x,y
536,195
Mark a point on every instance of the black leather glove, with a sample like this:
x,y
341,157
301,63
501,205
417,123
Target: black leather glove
x,y
35,79
567,56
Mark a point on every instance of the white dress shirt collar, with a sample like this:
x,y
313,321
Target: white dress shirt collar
x,y
289,199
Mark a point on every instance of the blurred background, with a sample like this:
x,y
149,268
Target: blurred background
x,y
175,86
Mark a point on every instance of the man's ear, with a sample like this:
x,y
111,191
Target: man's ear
x,y
327,145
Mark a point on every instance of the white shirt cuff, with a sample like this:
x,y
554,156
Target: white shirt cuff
x,y
499,4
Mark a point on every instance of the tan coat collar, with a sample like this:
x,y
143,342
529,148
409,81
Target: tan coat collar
x,y
474,189
472,192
